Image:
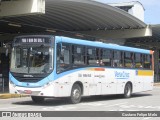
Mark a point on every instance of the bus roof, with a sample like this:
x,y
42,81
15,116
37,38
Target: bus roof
x,y
100,44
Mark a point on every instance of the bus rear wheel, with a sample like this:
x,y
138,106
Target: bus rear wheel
x,y
76,94
127,90
37,99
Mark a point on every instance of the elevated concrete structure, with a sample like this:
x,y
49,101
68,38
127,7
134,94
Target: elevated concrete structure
x,y
134,8
77,16
10,8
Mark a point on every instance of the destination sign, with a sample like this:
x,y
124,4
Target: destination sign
x,y
33,40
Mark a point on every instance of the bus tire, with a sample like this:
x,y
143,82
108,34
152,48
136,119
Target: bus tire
x,y
127,90
76,94
37,99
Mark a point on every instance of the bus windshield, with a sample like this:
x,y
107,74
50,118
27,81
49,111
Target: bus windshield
x,y
35,60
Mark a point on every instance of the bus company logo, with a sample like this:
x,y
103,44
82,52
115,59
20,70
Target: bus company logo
x,y
27,75
121,75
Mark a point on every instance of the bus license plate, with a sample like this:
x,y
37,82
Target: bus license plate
x,y
28,92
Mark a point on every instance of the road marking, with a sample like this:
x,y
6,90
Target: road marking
x,y
10,108
140,106
115,104
59,108
92,104
157,87
147,118
116,110
122,110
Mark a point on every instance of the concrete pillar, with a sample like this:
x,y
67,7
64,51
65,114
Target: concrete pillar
x,y
157,66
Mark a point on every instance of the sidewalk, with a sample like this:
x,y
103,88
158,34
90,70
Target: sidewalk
x,y
8,95
156,84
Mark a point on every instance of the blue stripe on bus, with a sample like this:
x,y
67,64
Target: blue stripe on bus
x,y
100,44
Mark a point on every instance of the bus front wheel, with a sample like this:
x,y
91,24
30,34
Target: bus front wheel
x,y
76,93
127,90
37,99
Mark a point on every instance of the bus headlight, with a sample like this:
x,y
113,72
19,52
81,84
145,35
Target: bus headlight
x,y
11,83
47,85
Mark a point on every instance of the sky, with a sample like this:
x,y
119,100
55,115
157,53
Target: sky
x,y
152,9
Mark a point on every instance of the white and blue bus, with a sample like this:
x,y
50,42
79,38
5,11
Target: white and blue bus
x,y
44,66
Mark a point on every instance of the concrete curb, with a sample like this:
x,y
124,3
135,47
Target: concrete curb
x,y
156,84
7,96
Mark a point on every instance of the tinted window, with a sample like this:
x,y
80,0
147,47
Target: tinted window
x,y
117,59
106,57
92,56
138,60
78,55
147,61
128,59
63,57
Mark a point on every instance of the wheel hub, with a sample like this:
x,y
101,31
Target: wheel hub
x,y
76,93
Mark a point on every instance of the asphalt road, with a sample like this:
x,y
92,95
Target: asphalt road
x,y
146,101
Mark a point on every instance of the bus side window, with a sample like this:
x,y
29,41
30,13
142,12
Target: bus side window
x,y
63,57
106,57
92,56
128,59
147,61
138,60
78,55
117,59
